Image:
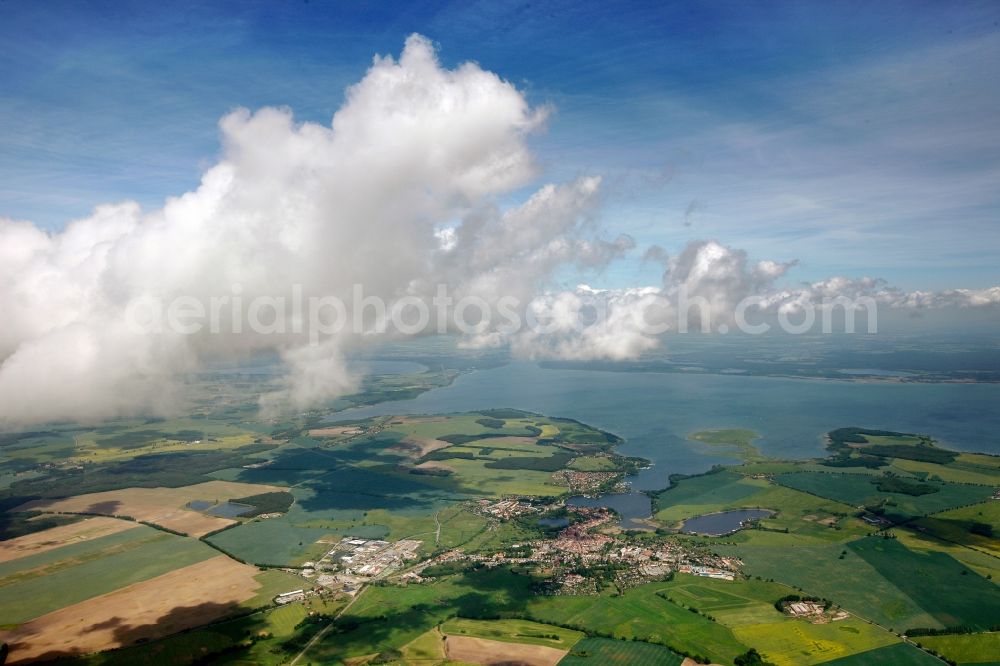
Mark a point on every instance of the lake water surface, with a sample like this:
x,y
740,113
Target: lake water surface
x,y
722,523
655,412
631,507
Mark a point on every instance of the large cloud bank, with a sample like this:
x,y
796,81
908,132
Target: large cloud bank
x,y
398,194
710,287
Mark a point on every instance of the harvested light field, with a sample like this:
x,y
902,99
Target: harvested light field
x,y
338,431
39,542
419,447
160,506
155,607
434,465
488,652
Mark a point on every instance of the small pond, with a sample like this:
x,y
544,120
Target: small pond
x,y
229,510
724,522
220,509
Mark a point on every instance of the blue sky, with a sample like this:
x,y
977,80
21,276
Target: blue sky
x,y
858,138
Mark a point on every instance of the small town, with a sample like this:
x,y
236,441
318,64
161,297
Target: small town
x,y
580,559
369,558
505,509
590,482
352,562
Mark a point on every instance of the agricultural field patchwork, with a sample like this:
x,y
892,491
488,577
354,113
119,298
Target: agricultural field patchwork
x,y
976,526
78,531
641,614
391,477
185,509
37,584
947,590
705,494
748,607
863,490
155,607
801,643
474,495
835,572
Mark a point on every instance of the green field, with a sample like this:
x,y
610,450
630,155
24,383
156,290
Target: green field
x,y
985,564
272,541
942,586
965,648
602,651
732,442
474,477
641,614
37,584
807,515
977,526
839,573
819,570
388,618
798,512
514,631
748,608
962,470
427,648
123,439
364,484
799,643
733,604
706,493
272,583
458,526
593,464
858,490
899,654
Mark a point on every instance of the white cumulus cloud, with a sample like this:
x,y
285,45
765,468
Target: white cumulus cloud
x,y
416,148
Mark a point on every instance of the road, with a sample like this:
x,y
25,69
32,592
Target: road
x,y
322,632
